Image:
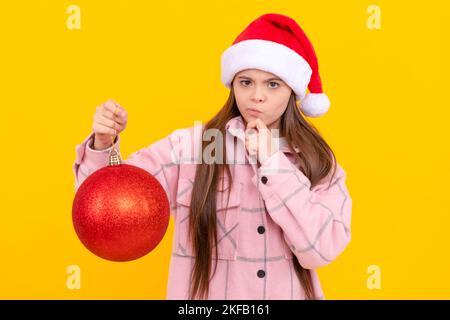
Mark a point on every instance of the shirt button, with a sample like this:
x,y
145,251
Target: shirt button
x,y
261,229
261,273
264,179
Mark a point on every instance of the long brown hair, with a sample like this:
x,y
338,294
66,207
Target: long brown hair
x,y
315,158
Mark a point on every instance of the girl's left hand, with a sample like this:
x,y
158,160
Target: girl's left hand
x,y
258,140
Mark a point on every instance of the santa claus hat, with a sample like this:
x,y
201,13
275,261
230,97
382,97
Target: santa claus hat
x,y
275,43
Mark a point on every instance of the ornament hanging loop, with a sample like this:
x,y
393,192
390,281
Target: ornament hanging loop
x,y
114,156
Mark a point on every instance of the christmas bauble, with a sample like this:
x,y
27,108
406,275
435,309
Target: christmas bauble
x,y
120,212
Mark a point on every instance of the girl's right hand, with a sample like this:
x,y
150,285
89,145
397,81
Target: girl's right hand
x,y
107,125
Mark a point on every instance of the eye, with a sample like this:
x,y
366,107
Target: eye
x,y
242,82
276,84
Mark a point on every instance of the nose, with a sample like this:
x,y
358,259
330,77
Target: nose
x,y
258,95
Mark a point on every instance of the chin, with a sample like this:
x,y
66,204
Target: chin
x,y
253,117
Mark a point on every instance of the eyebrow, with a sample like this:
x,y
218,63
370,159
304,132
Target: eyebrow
x,y
267,80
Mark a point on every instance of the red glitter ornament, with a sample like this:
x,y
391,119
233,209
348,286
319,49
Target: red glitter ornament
x,y
120,212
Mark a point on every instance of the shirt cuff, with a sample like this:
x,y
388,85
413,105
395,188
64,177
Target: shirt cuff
x,y
96,159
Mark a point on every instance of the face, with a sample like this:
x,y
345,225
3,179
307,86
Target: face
x,y
261,94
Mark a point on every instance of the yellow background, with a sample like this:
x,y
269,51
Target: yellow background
x,y
388,125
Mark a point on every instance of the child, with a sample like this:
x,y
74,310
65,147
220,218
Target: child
x,y
287,210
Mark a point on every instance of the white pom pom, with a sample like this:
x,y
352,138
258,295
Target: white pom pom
x,y
315,104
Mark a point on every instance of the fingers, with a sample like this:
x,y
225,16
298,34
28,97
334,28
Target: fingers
x,y
255,128
252,148
258,139
110,118
102,129
100,119
110,107
257,124
110,115
251,143
251,137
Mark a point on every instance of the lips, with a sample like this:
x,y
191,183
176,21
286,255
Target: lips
x,y
253,111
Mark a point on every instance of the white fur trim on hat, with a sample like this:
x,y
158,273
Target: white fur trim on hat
x,y
268,56
315,104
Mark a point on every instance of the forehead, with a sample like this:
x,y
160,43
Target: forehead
x,y
256,74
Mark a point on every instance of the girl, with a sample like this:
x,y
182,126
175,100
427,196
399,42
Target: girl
x,y
257,225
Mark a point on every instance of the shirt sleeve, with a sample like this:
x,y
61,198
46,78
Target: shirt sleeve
x,y
160,159
315,222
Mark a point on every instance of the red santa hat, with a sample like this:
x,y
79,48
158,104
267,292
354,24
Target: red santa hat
x,y
275,43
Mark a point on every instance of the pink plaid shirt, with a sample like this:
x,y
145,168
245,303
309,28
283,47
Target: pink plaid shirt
x,y
272,217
